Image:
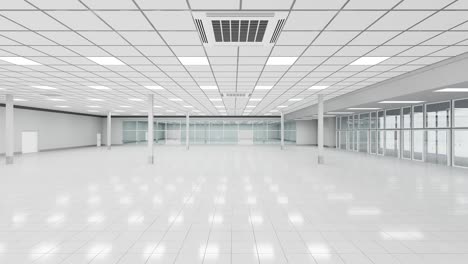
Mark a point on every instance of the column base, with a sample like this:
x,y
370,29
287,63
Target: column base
x,y
282,147
109,147
321,160
151,159
187,147
9,160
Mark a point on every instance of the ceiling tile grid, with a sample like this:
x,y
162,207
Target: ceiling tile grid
x,y
156,49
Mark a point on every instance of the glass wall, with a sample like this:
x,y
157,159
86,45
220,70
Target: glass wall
x,y
211,131
434,133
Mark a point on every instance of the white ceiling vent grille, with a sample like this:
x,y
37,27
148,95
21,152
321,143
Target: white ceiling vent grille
x,y
239,28
236,95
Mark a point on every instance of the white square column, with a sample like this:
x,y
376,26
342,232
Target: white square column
x,y
320,130
282,130
150,129
109,130
9,129
187,131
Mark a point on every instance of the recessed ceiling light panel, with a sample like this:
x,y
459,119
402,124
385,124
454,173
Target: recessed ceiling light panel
x,y
154,87
401,102
42,87
107,61
453,90
318,87
367,61
99,87
19,61
363,108
209,87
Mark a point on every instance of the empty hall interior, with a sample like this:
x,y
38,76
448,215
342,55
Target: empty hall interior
x,y
234,131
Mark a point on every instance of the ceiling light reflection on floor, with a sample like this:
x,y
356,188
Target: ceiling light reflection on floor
x,y
364,211
402,235
282,199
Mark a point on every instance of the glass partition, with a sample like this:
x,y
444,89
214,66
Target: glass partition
x,y
460,113
460,153
392,119
434,132
211,131
438,115
406,116
418,116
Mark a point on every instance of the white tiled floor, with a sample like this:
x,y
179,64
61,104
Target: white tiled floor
x,y
230,204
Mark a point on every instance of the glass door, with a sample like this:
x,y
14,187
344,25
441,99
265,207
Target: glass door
x,y
437,146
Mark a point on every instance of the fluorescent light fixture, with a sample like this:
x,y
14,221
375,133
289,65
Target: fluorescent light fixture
x,y
194,60
143,111
318,87
452,90
281,60
251,106
219,106
106,60
154,87
157,106
170,111
135,99
43,87
340,113
366,61
209,87
95,99
118,111
62,106
175,99
215,100
282,106
19,61
125,106
255,99
19,100
263,87
56,99
274,111
93,111
93,106
295,99
363,108
99,87
188,106
401,102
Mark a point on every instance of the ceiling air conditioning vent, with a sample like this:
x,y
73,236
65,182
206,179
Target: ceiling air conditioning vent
x,y
201,30
278,29
239,28
236,95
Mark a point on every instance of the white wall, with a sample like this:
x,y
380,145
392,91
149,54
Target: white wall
x,y
329,132
306,132
116,133
56,130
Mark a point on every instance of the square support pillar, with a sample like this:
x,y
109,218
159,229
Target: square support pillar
x,y
320,129
150,129
282,130
187,131
9,129
109,131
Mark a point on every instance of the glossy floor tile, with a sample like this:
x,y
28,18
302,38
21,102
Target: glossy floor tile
x,y
230,204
